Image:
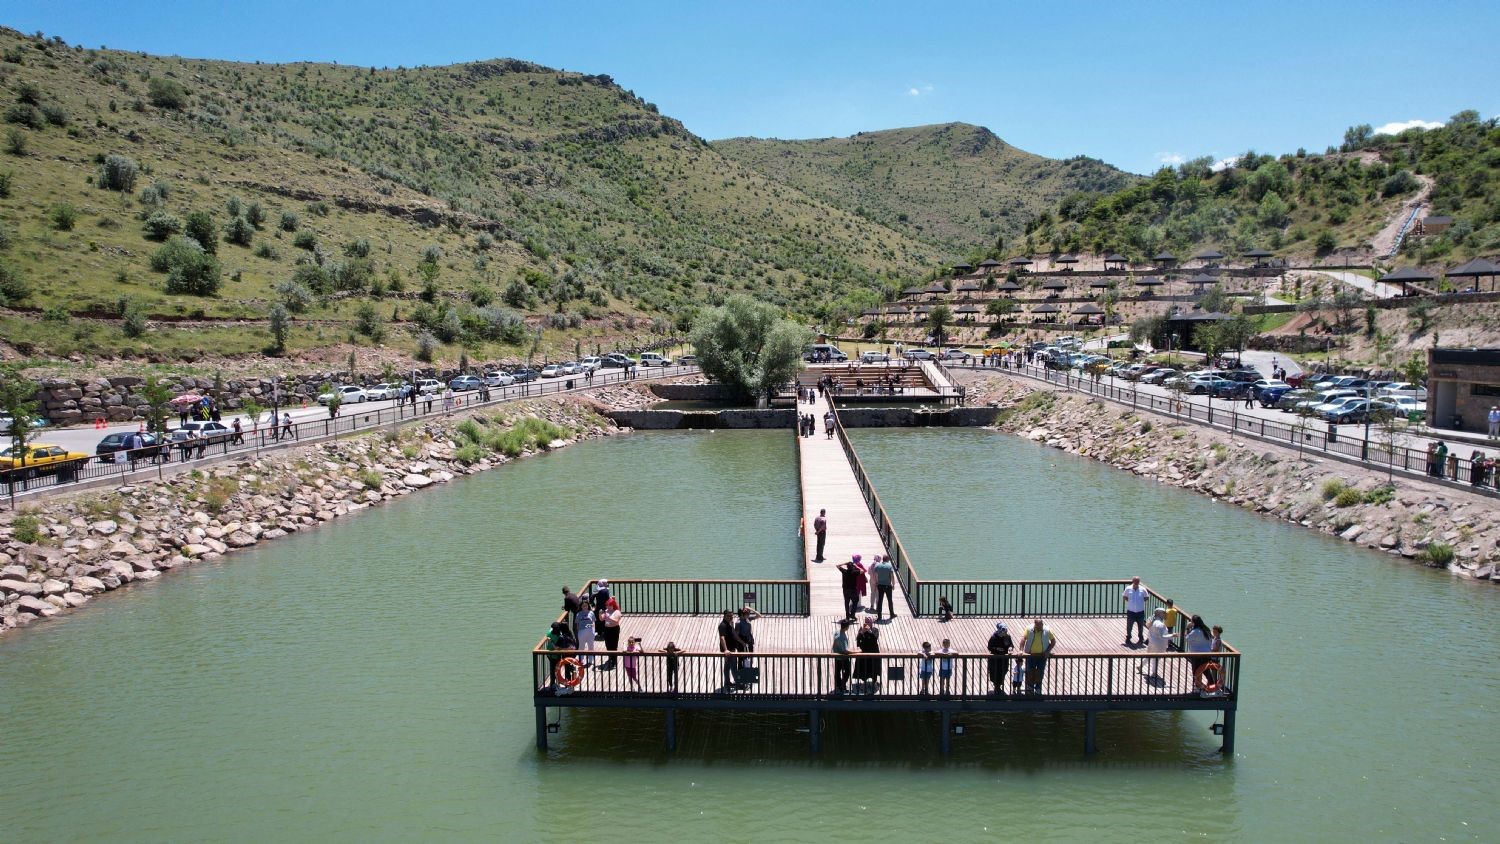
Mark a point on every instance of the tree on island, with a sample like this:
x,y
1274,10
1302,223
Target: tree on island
x,y
938,320
748,346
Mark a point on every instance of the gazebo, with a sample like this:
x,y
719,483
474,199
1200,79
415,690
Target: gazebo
x,y
1055,285
1087,311
1067,260
935,289
968,285
1114,261
1149,282
1259,256
1209,257
1102,284
966,312
988,264
1044,310
1405,276
1008,287
1164,259
1018,263
1201,279
911,291
1475,269
962,269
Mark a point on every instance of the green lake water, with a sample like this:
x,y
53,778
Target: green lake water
x,y
367,681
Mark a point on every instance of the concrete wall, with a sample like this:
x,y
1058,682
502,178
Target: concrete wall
x,y
692,392
902,417
671,420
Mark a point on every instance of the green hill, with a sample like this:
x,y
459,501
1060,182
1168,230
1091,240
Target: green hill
x,y
459,199
1350,200
955,186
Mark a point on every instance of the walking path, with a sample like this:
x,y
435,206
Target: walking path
x,y
828,483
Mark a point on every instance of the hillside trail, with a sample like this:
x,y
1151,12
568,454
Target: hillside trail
x,y
1384,242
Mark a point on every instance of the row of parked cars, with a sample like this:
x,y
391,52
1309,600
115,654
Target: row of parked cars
x,y
1342,399
351,394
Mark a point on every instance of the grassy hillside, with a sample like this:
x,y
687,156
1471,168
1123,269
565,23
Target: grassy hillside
x,y
1302,205
956,186
458,199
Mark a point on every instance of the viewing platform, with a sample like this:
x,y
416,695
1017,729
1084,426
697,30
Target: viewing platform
x,y
895,382
1090,670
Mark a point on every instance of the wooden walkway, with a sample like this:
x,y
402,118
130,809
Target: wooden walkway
x,y
828,484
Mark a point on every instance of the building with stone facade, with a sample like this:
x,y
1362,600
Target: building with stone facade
x,y
1462,386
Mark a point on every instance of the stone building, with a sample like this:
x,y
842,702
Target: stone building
x,y
1462,386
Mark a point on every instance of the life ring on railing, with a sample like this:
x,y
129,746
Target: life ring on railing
x,y
562,676
1200,677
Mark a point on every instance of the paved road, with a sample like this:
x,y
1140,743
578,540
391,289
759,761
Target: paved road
x,y
1374,288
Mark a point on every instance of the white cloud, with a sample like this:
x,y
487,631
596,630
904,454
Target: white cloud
x,y
917,92
1396,128
1224,163
1173,158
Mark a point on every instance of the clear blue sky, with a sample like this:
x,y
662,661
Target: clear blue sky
x,y
1132,83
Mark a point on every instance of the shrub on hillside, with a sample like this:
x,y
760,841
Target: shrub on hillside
x,y
63,217
155,193
161,225
426,347
313,277
175,251
200,275
289,221
15,141
55,114
24,114
239,231
13,286
200,227
255,213
305,240
295,295
367,321
134,323
1402,181
166,93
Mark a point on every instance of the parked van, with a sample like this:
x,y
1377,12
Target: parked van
x,y
823,352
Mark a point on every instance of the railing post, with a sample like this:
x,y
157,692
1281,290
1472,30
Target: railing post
x,y
1023,601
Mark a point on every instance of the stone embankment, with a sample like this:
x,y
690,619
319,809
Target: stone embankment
x,y
1434,525
58,558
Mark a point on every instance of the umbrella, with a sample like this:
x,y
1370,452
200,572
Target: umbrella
x,y
187,398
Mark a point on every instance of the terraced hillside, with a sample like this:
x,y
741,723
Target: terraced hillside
x,y
954,185
456,199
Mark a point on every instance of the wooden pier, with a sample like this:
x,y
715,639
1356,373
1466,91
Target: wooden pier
x,y
1090,670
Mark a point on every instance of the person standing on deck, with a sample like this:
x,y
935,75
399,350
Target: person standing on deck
x,y
867,668
999,646
841,658
945,667
1135,610
861,582
1156,641
885,581
571,605
828,425
1038,644
583,627
746,632
729,644
609,628
849,579
820,530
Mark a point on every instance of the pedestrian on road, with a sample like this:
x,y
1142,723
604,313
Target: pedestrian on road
x,y
849,580
286,424
841,662
998,665
1038,645
1494,419
1135,610
885,581
820,530
1250,397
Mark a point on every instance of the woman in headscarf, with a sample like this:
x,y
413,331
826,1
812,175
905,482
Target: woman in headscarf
x,y
867,668
999,646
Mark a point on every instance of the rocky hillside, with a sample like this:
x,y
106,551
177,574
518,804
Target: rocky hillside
x,y
453,200
955,186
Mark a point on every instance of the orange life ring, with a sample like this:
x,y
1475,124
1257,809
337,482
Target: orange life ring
x,y
1203,684
562,678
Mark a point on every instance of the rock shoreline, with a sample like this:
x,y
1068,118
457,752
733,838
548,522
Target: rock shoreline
x,y
83,545
1399,516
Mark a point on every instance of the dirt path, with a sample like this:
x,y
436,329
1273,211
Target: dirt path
x,y
1384,242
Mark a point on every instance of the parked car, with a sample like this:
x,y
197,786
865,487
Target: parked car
x,y
618,360
212,432
957,354
498,379
687,360
552,370
874,357
6,422
1332,407
918,354
1224,388
1407,407
654,359
1404,388
41,459
590,363
428,386
1204,383
1289,400
823,351
524,374
1244,376
1324,397
1157,375
150,446
381,392
348,394
464,383
570,368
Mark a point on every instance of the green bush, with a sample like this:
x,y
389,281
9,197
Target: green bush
x,y
134,323
527,434
305,240
64,217
289,221
161,225
1383,494
370,479
200,227
1332,487
26,528
166,93
15,141
426,347
118,173
295,295
239,231
1437,554
24,114
469,454
175,251
1348,497
367,321
55,114
14,288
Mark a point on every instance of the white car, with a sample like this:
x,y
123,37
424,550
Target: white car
x,y
1329,408
1405,405
1271,384
654,359
429,386
1404,388
571,368
348,394
552,370
874,357
590,363
380,392
499,379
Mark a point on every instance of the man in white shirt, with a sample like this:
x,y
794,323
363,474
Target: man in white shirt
x,y
1135,610
1494,419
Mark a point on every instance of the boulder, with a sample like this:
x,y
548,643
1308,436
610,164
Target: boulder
x,y
417,481
195,550
88,585
20,587
36,606
75,599
53,587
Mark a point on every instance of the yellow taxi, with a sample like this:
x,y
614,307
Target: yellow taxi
x,y
41,458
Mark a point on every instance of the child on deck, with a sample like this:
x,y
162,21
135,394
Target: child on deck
x,y
632,648
945,667
924,668
671,651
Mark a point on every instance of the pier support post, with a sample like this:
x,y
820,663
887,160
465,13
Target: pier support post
x,y
1228,746
541,728
671,730
814,730
945,740
1089,717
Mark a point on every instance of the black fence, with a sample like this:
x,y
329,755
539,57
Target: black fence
x,y
147,463
698,597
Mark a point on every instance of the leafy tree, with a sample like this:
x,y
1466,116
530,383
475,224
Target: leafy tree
x,y
1402,181
255,213
280,327
239,231
748,347
426,347
158,396
200,227
64,216
938,320
118,173
18,401
161,225
198,275
1216,299
14,288
1147,328
1272,211
312,277
1236,332
367,321
334,399
1325,242
518,294
134,322
166,93
1415,369
1000,307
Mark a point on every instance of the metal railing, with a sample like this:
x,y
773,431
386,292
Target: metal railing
x,y
150,462
888,676
699,597
1378,452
